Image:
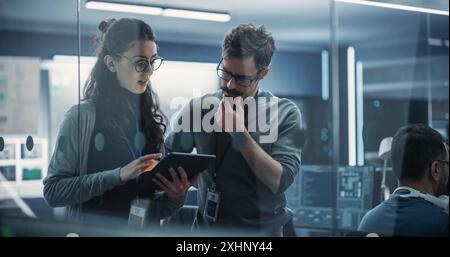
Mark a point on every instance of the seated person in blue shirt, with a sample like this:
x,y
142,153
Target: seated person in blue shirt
x,y
420,161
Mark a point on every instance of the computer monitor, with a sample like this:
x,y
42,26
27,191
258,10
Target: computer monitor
x,y
333,197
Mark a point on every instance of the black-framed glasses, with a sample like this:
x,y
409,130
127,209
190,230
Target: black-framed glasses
x,y
241,80
439,160
442,161
143,65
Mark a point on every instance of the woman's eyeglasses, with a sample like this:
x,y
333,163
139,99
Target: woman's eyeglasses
x,y
143,65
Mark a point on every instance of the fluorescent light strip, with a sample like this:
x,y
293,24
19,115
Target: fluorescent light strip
x,y
118,7
351,93
359,113
150,10
73,59
396,6
325,78
196,15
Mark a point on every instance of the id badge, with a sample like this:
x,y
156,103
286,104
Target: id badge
x,y
212,205
138,212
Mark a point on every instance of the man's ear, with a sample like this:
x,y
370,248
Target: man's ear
x,y
435,171
264,73
110,63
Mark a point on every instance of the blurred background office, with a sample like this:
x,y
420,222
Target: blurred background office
x,y
358,70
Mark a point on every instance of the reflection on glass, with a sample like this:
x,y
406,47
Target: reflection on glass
x,y
395,74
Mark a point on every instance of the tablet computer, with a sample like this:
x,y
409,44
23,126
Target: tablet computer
x,y
192,164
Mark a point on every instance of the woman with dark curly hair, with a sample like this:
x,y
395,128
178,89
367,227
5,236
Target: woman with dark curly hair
x,y
115,134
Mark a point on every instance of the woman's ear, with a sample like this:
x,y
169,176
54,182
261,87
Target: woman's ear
x,y
110,63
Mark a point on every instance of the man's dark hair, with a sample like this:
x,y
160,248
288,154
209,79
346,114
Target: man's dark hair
x,y
247,40
413,149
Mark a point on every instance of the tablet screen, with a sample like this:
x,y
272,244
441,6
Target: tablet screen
x,y
192,164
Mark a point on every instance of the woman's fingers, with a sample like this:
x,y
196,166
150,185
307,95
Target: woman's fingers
x,y
145,167
184,177
175,179
147,162
139,166
150,165
149,157
165,182
161,185
178,185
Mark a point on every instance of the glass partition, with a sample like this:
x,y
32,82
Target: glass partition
x,y
94,94
299,72
37,86
393,72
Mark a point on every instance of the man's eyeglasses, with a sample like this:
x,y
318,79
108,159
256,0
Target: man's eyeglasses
x,y
143,65
241,80
439,160
443,161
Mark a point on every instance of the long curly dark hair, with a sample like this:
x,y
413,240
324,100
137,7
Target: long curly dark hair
x,y
102,86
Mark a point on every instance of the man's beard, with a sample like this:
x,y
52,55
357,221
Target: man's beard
x,y
231,92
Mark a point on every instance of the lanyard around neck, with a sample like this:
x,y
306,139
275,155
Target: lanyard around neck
x,y
136,153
